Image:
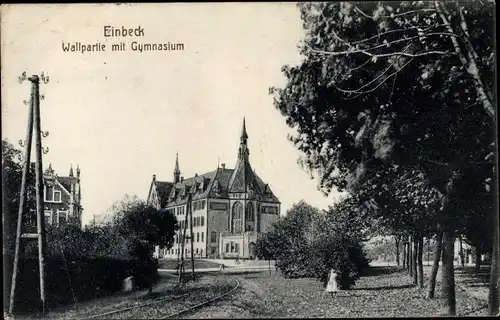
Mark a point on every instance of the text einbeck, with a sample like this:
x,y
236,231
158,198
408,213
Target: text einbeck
x,y
122,33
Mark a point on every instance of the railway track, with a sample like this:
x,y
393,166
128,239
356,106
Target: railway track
x,y
161,309
193,307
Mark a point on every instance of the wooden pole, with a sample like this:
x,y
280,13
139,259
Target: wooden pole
x,y
39,189
181,265
22,200
192,234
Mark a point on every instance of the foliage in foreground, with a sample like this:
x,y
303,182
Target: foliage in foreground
x,y
309,244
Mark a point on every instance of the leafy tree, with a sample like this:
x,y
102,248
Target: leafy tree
x,y
264,249
139,221
399,83
310,243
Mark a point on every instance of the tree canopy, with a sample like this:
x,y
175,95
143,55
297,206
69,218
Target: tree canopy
x,y
394,103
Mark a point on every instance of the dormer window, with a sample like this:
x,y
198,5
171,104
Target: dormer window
x,y
201,187
172,194
217,187
193,189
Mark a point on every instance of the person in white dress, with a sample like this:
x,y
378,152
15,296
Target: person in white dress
x,y
332,286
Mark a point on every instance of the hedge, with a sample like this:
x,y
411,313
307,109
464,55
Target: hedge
x,y
78,278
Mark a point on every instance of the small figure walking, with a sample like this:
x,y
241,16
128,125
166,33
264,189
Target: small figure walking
x,y
221,268
332,287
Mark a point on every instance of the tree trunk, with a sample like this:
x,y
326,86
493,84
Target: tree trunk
x,y
493,296
410,257
404,255
478,258
462,255
414,260
420,261
447,275
435,266
397,238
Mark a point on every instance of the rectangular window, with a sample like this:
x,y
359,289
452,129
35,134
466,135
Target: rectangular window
x,y
202,204
212,250
236,248
62,218
201,252
202,221
196,250
227,247
232,246
197,237
57,196
213,236
49,193
202,237
48,217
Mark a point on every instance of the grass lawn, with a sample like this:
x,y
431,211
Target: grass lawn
x,y
198,263
384,292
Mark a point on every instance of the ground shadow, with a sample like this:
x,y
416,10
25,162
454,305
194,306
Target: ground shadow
x,y
378,271
406,286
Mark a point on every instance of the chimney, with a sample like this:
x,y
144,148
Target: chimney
x,y
195,174
182,179
154,177
223,165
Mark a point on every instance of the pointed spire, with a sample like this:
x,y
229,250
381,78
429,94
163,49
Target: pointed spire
x,y
77,171
243,151
177,164
71,171
49,171
244,134
177,171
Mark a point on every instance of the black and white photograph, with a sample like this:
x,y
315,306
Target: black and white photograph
x,y
249,160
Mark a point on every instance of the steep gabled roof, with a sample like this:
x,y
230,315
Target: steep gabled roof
x,y
266,190
176,191
243,177
65,182
163,189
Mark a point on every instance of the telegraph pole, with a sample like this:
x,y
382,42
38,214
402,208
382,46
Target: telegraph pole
x,y
33,121
39,188
190,199
183,242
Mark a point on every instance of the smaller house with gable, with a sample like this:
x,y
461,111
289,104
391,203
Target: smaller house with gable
x,y
62,198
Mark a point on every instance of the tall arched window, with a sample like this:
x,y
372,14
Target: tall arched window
x,y
250,214
250,218
236,217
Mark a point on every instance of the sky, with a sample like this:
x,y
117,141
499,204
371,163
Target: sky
x,y
123,116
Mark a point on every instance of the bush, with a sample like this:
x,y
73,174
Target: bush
x,y
342,254
309,244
